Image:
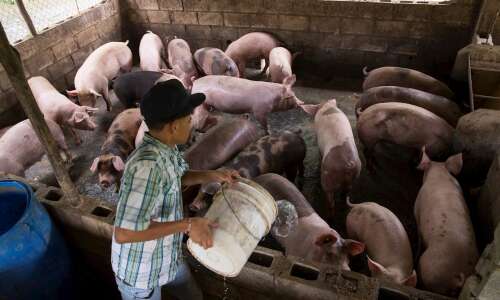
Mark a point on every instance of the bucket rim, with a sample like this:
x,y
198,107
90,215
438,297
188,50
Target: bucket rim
x,y
28,198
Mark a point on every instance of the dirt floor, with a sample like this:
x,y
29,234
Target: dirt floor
x,y
393,182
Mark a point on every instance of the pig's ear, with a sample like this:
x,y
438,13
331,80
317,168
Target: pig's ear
x,y
375,267
425,162
72,93
326,239
411,280
354,247
290,80
310,109
90,110
454,164
79,116
118,163
93,168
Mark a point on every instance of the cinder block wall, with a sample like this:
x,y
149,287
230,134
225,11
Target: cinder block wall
x,y
336,38
58,53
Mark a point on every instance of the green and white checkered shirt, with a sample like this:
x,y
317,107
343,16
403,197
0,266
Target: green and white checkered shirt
x,y
150,191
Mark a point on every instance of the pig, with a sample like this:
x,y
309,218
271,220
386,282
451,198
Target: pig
x,y
151,52
409,78
4,130
406,125
224,141
181,61
447,236
213,61
312,239
278,153
116,148
20,147
238,95
442,107
253,45
56,107
102,65
280,64
340,163
131,87
387,244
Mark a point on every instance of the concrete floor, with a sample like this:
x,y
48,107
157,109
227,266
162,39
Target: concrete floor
x,y
393,182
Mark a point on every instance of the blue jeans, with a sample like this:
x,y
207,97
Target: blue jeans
x,y
182,287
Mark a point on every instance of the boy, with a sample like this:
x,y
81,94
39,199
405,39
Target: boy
x,y
147,239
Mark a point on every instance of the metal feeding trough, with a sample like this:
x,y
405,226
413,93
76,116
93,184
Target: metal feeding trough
x,y
483,74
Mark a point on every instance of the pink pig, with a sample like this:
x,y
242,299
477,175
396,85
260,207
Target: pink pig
x,y
443,221
151,52
20,147
280,64
181,61
102,65
238,95
58,108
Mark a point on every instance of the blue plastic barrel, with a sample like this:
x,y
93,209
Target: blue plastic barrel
x,y
34,261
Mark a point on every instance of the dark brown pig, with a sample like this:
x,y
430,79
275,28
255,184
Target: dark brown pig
x,y
387,244
213,61
116,148
406,125
181,61
340,163
20,147
221,143
406,78
312,239
448,240
277,153
238,95
442,107
131,87
253,45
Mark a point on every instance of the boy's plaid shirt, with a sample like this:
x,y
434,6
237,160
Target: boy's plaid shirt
x,y
150,191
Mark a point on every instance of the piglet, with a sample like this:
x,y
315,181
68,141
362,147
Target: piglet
x,y
340,163
312,239
58,108
102,65
151,52
389,251
447,236
181,61
20,147
118,145
280,64
253,45
238,95
213,61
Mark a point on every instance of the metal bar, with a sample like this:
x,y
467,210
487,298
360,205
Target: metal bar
x,y
476,67
469,77
26,16
486,97
11,61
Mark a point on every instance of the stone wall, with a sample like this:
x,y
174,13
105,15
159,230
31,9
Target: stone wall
x,y
335,37
57,53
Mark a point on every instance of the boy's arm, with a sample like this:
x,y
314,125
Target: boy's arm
x,y
194,177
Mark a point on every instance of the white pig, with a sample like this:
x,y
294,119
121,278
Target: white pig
x,y
280,64
151,52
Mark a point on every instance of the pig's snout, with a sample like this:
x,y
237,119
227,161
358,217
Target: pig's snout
x,y
105,184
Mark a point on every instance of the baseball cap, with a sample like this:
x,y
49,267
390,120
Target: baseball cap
x,y
167,101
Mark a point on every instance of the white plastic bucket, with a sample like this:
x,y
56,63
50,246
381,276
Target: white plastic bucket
x,y
245,212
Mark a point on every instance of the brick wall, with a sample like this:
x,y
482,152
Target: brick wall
x,y
336,38
58,52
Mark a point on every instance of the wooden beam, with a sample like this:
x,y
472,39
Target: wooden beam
x,y
11,61
26,17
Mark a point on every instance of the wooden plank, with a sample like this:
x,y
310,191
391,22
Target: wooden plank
x,y
11,61
26,16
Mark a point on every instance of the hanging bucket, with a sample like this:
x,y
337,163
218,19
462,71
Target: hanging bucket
x,y
34,261
245,212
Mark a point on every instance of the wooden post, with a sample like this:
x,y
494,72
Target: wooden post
x,y
26,17
11,61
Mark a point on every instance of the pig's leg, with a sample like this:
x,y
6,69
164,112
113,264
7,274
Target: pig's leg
x,y
241,67
300,177
266,65
75,135
291,173
330,201
262,119
105,95
127,67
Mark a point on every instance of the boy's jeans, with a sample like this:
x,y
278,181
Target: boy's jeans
x,y
182,287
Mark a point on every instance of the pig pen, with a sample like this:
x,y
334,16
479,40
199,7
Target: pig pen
x,y
394,183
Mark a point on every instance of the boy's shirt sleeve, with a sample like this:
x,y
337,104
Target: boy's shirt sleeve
x,y
140,190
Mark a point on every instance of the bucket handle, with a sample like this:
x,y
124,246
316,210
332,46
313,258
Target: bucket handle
x,y
236,215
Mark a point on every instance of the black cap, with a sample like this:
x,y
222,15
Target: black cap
x,y
167,101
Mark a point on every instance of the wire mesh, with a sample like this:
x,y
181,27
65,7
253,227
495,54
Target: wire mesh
x,y
86,4
46,13
12,21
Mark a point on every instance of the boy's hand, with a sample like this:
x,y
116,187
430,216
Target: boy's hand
x,y
221,176
201,231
